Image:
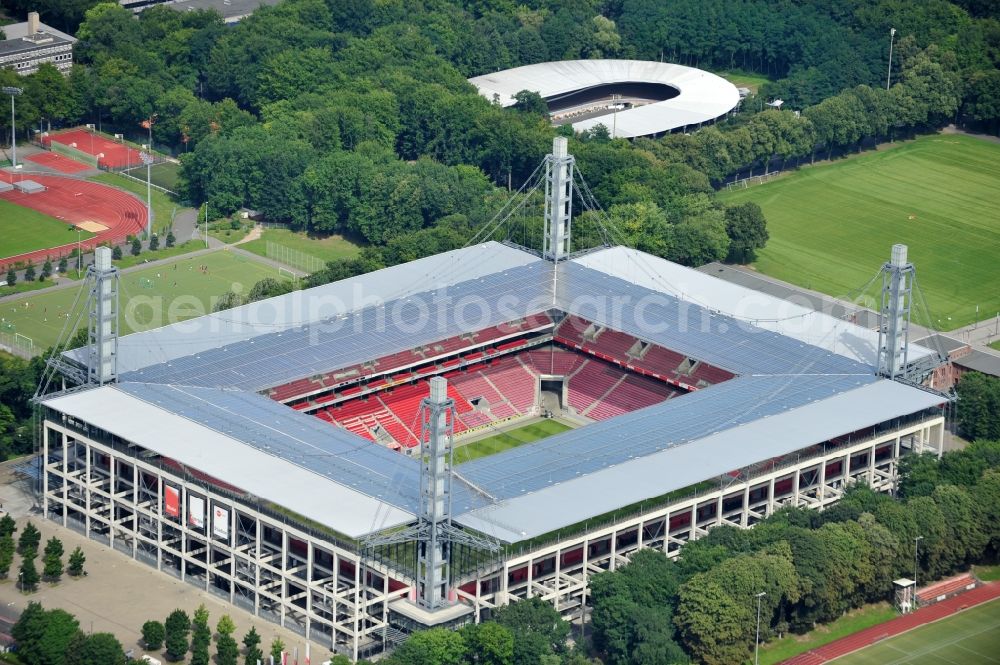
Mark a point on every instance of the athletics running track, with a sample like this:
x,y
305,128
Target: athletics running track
x,y
74,201
870,636
110,154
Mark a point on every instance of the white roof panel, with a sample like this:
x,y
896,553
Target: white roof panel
x,y
576,500
223,456
744,304
300,308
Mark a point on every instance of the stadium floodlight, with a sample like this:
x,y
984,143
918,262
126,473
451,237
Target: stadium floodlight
x,y
892,36
13,92
756,644
147,159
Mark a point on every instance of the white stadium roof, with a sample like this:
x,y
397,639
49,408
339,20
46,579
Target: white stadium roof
x,y
803,377
702,97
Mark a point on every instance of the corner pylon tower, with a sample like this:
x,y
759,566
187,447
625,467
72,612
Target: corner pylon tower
x,y
894,329
437,416
102,326
558,200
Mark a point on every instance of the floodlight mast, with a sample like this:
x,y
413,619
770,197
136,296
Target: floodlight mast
x,y
437,417
102,330
13,92
894,327
558,200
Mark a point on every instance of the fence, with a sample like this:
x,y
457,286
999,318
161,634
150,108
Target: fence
x,y
293,257
18,345
72,153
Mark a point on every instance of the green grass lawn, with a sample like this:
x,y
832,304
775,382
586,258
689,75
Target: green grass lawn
x,y
329,248
505,440
127,260
987,573
995,345
24,230
163,174
150,298
832,225
971,637
777,651
742,79
163,204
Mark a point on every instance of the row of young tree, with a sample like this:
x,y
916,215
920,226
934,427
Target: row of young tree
x,y
812,566
172,635
27,547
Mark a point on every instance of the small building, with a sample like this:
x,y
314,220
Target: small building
x,y
31,43
232,11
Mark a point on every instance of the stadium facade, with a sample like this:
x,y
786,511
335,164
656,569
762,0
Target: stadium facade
x,y
294,455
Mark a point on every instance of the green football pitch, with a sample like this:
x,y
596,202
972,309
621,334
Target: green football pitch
x,y
971,637
832,225
510,439
24,230
149,298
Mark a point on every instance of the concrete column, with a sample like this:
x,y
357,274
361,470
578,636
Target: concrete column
x,y
531,575
45,471
135,510
357,606
283,597
86,488
112,476
614,550
256,556
558,555
310,555
770,496
745,516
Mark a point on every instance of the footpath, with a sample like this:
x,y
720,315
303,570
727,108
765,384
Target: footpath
x,y
898,626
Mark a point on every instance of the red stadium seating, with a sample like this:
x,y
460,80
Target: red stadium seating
x,y
589,384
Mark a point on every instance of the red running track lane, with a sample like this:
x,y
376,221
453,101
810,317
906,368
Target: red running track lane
x,y
116,155
73,201
54,160
870,636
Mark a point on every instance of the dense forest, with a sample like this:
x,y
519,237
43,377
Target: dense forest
x,y
356,117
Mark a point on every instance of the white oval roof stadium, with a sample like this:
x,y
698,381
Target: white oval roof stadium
x,y
701,96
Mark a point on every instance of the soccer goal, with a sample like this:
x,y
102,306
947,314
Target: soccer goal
x,y
285,272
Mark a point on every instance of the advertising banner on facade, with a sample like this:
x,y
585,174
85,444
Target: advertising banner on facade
x,y
196,511
171,501
220,522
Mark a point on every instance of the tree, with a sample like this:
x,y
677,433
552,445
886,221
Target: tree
x,y
154,243
47,269
29,539
200,616
537,627
491,643
63,265
201,640
44,636
251,642
225,625
6,554
116,252
76,561
95,649
153,634
277,647
176,629
437,646
531,102
747,231
171,239
136,247
29,272
7,525
11,277
52,566
979,406
227,651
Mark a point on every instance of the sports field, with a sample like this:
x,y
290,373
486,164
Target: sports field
x,y
24,230
150,298
971,637
163,174
832,225
327,248
511,439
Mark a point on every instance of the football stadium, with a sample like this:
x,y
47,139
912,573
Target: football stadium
x,y
630,98
298,456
